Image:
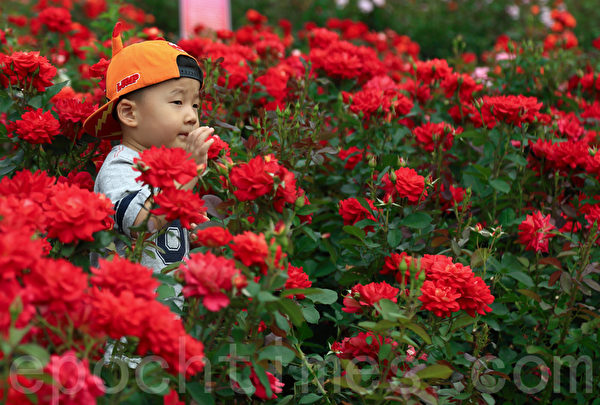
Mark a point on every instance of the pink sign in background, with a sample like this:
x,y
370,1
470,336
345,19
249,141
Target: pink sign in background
x,y
215,14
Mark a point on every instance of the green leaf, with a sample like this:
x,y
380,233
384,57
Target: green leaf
x,y
380,326
435,371
419,331
311,314
265,296
416,220
282,354
461,322
500,185
198,394
309,398
322,296
292,310
354,231
37,352
517,159
522,277
307,209
394,237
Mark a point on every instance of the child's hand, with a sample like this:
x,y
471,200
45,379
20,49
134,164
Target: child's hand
x,y
198,146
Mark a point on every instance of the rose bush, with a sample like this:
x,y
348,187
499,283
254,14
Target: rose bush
x,y
382,228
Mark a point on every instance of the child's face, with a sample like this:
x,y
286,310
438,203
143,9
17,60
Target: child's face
x,y
168,112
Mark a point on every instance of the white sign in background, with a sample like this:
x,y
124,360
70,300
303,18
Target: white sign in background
x,y
214,14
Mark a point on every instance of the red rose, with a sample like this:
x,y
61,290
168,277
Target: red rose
x,y
286,189
431,135
214,236
353,154
72,381
57,19
18,251
297,278
393,263
75,214
82,180
37,127
120,274
180,204
210,277
56,283
250,248
534,232
353,211
439,298
26,70
217,146
368,295
408,184
251,179
513,110
161,167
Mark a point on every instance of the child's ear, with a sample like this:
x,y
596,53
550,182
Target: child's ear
x,y
127,112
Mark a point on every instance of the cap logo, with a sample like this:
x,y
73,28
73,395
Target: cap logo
x,y
180,49
128,81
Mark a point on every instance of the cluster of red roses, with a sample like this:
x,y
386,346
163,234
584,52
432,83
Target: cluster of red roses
x,y
448,286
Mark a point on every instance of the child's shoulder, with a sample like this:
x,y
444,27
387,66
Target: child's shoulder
x,y
122,152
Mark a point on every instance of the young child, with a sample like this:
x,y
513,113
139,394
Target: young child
x,y
153,88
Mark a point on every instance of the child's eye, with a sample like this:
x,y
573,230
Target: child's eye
x,y
196,106
178,102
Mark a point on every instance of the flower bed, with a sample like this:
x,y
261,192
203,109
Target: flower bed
x,y
385,228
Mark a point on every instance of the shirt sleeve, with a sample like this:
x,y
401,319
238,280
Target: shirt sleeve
x,y
116,180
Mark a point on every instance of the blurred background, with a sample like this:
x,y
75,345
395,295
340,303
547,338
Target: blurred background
x,y
434,24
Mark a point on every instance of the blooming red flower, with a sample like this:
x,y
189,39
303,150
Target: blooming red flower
x,y
407,184
297,278
286,189
432,70
462,83
93,8
10,292
56,283
393,263
183,205
344,60
439,298
513,110
72,111
57,19
368,295
118,314
120,274
27,185
75,214
210,277
18,251
217,147
251,179
363,346
23,214
250,248
26,70
534,232
353,154
431,135
353,211
37,127
213,236
260,391
72,381
82,180
161,167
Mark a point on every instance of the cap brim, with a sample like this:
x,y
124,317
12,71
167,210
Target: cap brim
x,y
101,123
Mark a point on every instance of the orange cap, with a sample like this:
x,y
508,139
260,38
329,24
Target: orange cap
x,y
134,67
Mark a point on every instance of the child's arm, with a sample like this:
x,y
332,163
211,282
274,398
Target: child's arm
x,y
197,145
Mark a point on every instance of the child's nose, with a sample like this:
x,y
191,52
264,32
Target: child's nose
x,y
191,115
